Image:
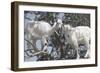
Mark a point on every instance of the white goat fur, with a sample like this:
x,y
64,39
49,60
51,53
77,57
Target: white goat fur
x,y
78,35
41,29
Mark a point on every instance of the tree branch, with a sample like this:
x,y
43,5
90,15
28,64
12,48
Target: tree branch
x,y
34,48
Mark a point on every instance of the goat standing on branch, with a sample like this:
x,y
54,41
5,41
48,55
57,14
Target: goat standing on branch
x,y
41,29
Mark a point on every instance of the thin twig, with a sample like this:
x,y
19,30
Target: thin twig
x,y
34,48
37,52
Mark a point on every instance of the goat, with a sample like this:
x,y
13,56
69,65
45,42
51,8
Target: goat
x,y
41,29
76,36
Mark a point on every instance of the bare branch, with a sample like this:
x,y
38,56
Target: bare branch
x,y
34,48
40,52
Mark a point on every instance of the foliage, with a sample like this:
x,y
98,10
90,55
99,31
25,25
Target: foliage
x,y
76,19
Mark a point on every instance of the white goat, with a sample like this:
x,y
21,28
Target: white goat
x,y
76,36
41,29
